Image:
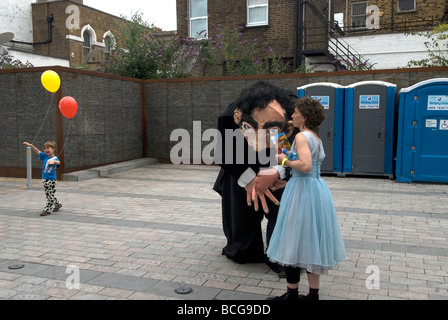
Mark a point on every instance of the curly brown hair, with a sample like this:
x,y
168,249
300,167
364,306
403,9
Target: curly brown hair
x,y
313,112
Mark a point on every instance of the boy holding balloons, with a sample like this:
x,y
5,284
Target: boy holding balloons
x,y
68,107
50,164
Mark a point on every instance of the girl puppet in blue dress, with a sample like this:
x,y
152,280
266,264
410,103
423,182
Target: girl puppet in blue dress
x,y
307,235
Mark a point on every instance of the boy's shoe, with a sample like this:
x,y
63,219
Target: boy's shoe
x,y
57,207
45,213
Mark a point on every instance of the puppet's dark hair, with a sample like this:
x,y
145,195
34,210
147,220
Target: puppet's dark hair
x,y
259,95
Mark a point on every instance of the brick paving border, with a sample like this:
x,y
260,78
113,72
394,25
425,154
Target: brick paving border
x,y
142,233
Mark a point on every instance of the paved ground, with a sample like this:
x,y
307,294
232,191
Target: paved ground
x,y
142,233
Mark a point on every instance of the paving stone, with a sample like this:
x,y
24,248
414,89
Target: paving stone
x,y
60,273
140,234
167,288
124,282
29,296
28,269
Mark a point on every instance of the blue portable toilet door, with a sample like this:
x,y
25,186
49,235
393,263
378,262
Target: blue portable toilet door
x,y
430,158
331,96
326,96
369,123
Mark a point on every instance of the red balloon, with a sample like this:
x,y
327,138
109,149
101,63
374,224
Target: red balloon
x,y
68,107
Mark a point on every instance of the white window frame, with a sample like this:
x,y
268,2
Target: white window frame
x,y
259,23
407,10
364,15
195,36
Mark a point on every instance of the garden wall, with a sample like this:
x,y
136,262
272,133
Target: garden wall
x,y
120,119
106,129
174,104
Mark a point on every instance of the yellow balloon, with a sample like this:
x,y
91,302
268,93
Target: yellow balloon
x,y
51,81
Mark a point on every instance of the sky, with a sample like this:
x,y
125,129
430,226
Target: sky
x,y
160,12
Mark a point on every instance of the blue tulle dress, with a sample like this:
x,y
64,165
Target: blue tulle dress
x,y
307,233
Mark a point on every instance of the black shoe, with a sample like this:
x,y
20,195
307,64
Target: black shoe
x,y
57,207
285,296
308,297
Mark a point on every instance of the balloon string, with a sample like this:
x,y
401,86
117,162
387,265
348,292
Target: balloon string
x,y
66,137
45,119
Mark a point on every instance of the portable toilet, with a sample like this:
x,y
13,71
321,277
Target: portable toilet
x,y
331,96
422,143
369,128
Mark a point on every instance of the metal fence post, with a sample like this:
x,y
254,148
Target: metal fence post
x,y
29,168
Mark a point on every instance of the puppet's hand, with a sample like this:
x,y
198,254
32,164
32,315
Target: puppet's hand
x,y
279,184
250,191
262,197
265,179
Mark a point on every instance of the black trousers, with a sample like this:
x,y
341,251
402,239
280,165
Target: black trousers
x,y
242,224
292,274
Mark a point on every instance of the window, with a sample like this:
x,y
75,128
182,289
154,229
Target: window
x,y
107,46
359,14
86,47
406,5
257,12
198,19
339,19
109,43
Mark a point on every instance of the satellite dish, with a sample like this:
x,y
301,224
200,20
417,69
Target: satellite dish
x,y
6,37
93,54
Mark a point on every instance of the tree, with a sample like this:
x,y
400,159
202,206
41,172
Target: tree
x,y
231,52
436,45
8,62
141,52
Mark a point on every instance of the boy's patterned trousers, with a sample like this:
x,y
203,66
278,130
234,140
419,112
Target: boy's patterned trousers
x,y
50,190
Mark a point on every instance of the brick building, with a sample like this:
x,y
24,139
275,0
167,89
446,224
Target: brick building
x,y
276,26
16,19
306,31
60,32
394,16
380,29
80,33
